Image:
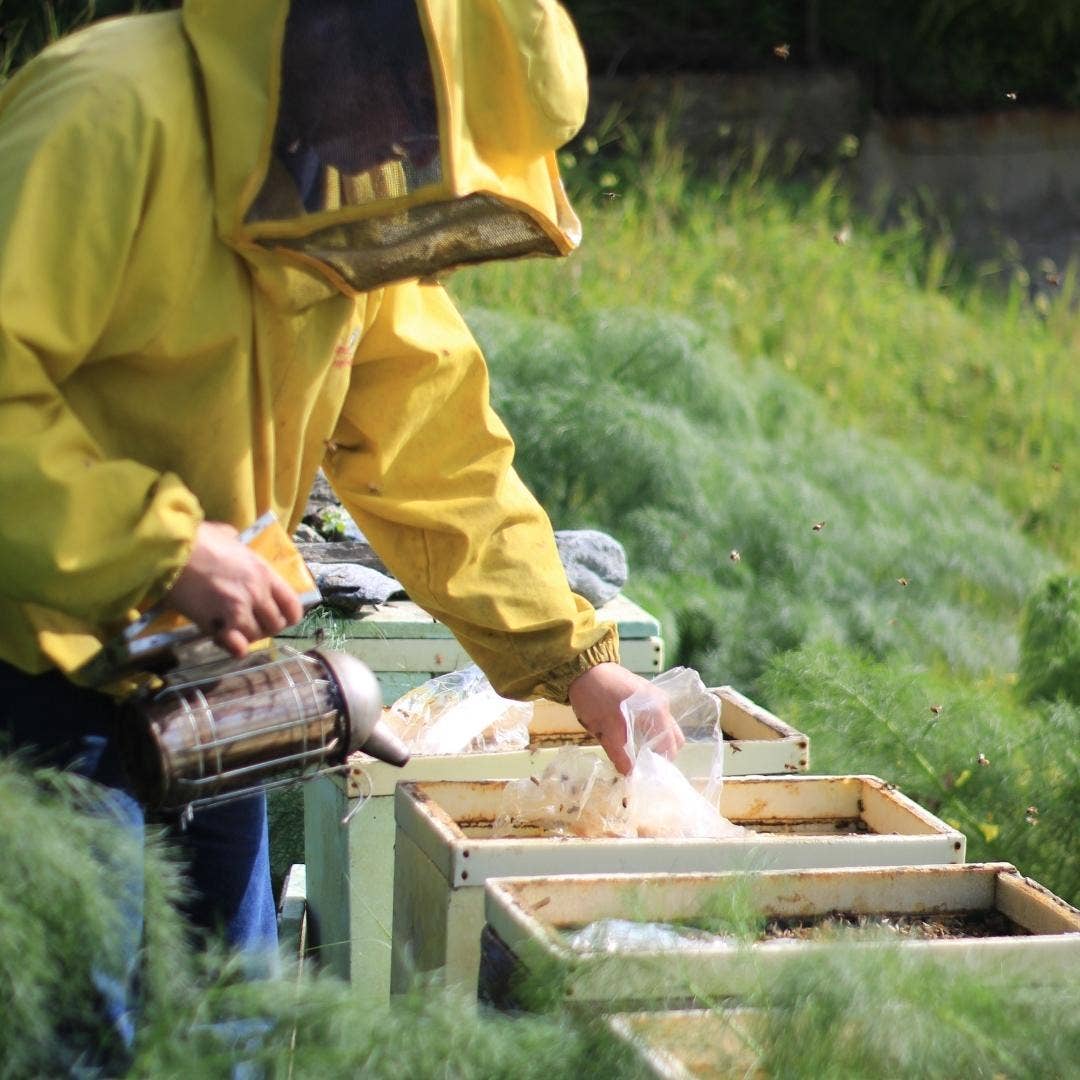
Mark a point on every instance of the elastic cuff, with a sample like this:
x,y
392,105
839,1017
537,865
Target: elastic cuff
x,y
555,685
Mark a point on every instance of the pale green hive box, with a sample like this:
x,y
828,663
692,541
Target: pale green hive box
x,y
404,646
350,870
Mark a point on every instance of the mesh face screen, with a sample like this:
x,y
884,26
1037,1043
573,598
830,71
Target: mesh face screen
x,y
424,240
357,118
358,124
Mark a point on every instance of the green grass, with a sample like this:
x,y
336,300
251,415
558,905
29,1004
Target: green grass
x,y
966,373
1005,774
645,425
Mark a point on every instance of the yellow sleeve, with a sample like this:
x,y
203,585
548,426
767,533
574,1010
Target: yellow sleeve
x,y
424,465
79,534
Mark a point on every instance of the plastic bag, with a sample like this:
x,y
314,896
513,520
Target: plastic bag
x,y
459,713
579,794
663,802
625,935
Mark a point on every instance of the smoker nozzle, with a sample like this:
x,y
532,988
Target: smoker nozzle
x,y
361,700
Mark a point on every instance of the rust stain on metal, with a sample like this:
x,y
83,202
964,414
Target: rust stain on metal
x,y
475,822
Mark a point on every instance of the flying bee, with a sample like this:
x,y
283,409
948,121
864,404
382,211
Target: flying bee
x,y
935,709
903,581
735,555
782,51
983,760
818,526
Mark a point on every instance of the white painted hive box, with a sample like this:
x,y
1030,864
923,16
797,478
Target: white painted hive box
x,y
999,919
350,870
444,852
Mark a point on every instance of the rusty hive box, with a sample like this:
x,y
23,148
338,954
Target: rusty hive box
x,y
350,870
445,852
979,913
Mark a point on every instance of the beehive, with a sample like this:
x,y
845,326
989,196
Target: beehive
x,y
973,914
445,852
404,646
350,870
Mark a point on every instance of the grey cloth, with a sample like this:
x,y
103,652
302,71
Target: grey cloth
x,y
348,587
595,563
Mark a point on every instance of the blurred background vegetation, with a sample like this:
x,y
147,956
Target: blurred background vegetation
x,y
843,463
913,55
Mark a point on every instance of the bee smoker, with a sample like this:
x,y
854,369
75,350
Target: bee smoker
x,y
222,730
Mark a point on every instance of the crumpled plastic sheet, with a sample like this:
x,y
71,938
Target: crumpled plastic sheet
x,y
459,713
626,935
583,795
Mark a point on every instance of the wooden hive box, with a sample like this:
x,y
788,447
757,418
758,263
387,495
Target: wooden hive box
x,y
445,852
978,913
350,871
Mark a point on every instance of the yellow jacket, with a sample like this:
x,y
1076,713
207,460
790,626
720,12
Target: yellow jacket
x,y
169,353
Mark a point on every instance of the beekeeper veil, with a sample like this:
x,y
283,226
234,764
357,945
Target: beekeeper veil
x,y
412,136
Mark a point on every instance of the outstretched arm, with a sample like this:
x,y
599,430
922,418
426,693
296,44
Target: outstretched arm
x,y
425,466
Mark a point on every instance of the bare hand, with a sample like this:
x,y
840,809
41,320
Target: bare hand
x,y
595,698
230,593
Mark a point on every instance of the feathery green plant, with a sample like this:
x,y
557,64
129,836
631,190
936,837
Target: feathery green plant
x,y
753,520
970,379
1006,775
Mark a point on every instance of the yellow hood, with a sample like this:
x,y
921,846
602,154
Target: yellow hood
x,y
161,362
508,83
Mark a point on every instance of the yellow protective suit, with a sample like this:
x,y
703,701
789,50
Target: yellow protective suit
x,y
173,349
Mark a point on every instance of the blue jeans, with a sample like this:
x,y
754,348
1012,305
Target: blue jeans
x,y
62,725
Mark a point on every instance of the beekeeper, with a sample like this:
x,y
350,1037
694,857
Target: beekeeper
x,y
220,236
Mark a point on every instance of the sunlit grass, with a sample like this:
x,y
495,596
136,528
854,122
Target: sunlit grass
x,y
976,380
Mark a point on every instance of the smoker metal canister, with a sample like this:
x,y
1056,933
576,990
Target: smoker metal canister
x,y
220,731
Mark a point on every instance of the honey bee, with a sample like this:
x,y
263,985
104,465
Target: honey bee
x,y
983,760
903,581
843,236
935,709
782,51
818,526
1010,94
735,555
